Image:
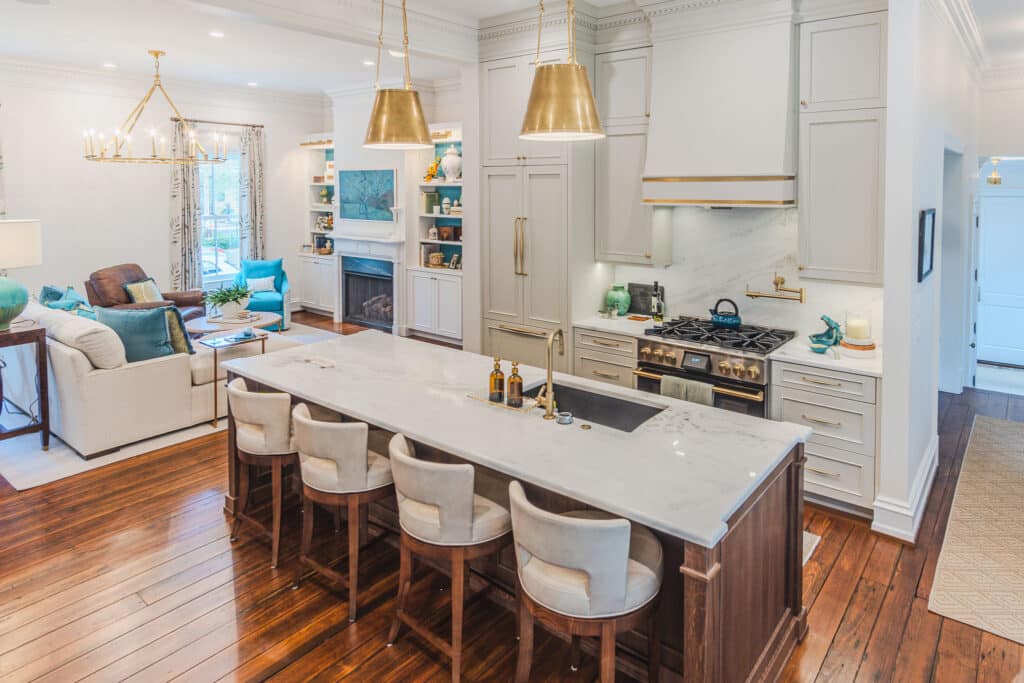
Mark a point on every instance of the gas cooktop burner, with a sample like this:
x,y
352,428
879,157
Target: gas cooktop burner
x,y
700,331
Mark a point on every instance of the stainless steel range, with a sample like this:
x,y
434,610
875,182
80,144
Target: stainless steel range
x,y
732,360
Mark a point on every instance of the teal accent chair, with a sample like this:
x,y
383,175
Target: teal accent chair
x,y
271,302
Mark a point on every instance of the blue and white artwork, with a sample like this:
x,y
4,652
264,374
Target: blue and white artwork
x,y
367,195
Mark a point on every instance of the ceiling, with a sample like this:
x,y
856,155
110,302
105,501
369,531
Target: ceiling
x,y
91,33
475,10
1001,23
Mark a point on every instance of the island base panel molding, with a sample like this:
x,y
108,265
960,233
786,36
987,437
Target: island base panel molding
x,y
730,613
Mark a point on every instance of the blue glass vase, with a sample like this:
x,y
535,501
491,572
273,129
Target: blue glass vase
x,y
13,299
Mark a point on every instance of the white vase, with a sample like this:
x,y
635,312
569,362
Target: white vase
x,y
233,309
451,164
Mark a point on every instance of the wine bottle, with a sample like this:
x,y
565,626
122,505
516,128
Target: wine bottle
x,y
496,390
657,304
515,387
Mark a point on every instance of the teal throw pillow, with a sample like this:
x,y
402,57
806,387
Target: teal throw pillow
x,y
143,332
50,293
70,301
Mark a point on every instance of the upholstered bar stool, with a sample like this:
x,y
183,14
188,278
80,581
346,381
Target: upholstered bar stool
x,y
338,470
584,573
263,436
441,518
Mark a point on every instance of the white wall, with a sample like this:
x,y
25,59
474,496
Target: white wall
x,y
932,103
96,215
954,313
1002,111
717,253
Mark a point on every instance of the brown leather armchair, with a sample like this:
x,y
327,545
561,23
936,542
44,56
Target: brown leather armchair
x,y
105,288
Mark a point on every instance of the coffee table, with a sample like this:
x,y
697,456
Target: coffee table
x,y
206,324
226,342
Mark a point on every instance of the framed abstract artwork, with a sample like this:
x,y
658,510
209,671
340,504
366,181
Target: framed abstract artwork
x,y
925,244
367,195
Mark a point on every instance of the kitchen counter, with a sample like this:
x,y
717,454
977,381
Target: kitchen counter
x,y
797,351
683,472
625,326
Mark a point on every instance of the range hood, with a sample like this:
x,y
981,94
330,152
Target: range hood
x,y
722,130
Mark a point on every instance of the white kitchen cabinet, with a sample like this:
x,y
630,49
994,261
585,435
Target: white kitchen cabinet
x,y
318,282
622,87
306,279
842,195
435,302
521,343
843,63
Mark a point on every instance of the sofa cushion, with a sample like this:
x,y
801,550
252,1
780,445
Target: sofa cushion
x,y
180,341
143,332
143,291
109,283
260,284
265,301
96,341
271,268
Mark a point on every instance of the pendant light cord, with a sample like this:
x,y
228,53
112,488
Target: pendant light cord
x,y
540,27
380,46
405,47
570,21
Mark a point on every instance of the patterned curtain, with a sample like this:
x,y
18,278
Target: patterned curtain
x,y
186,249
251,194
3,202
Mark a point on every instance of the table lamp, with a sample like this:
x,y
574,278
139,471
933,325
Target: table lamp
x,y
21,245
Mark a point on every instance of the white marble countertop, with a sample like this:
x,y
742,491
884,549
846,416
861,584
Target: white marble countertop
x,y
683,472
798,351
631,328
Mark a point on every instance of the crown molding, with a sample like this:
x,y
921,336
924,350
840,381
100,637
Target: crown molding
x,y
960,16
815,10
66,78
515,34
621,27
1003,77
671,19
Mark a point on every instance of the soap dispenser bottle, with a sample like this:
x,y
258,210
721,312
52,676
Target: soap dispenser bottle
x,y
515,387
496,390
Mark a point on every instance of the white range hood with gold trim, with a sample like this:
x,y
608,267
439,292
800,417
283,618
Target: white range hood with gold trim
x,y
723,112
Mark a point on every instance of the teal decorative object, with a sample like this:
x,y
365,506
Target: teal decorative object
x,y
617,298
823,341
13,299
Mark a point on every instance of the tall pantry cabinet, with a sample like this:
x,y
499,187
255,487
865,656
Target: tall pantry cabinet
x,y
538,270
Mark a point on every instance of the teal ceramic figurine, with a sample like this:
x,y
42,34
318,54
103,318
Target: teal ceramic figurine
x,y
13,299
617,298
823,341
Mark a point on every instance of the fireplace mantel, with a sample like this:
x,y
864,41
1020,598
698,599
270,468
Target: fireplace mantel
x,y
372,247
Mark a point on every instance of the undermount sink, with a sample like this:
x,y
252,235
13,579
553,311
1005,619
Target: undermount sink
x,y
610,411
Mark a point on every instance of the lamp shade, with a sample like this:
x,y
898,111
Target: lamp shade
x,y
397,121
561,106
21,243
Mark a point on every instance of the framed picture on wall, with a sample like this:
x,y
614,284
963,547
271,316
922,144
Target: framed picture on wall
x,y
367,195
925,244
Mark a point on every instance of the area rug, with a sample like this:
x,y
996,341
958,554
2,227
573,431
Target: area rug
x,y
979,579
25,465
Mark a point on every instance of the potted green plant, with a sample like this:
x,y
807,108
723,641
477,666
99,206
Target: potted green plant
x,y
229,302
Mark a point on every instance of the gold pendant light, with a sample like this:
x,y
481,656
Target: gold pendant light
x,y
561,107
396,121
994,178
118,148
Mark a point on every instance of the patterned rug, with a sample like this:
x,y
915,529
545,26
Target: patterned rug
x,y
980,576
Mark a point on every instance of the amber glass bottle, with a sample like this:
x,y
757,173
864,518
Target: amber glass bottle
x,y
515,387
496,391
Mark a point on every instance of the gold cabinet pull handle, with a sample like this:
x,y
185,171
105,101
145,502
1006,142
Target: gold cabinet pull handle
x,y
604,342
823,473
646,375
515,245
803,103
522,245
606,375
822,382
725,391
821,421
521,330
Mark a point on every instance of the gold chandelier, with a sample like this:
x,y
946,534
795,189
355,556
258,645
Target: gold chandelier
x,y
561,106
118,148
396,121
994,178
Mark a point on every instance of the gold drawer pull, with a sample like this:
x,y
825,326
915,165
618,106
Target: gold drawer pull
x,y
603,342
606,375
821,421
726,391
521,330
822,382
646,375
823,472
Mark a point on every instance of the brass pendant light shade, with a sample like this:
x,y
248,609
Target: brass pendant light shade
x,y
396,121
561,106
994,178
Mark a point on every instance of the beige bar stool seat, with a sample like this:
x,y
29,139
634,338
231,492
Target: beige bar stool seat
x,y
584,573
263,436
441,518
338,470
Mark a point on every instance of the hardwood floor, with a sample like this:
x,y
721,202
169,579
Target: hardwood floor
x,y
325,323
126,573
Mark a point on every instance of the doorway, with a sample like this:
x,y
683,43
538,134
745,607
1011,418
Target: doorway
x,y
1001,279
955,328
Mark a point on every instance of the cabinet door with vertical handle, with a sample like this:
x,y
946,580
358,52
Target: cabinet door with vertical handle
x,y
502,213
543,245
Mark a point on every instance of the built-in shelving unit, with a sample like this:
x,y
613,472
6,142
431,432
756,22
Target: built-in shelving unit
x,y
321,189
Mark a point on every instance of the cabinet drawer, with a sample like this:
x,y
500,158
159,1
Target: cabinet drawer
x,y
836,474
604,367
828,382
525,344
837,422
606,343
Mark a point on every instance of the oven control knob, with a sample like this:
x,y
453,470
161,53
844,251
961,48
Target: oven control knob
x,y
753,373
670,357
645,352
724,367
658,354
737,369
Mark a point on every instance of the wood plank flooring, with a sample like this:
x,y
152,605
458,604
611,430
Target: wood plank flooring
x,y
127,573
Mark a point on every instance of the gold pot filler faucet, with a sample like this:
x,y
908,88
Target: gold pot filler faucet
x,y
546,396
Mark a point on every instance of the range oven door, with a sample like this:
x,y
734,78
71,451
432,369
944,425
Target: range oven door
x,y
735,396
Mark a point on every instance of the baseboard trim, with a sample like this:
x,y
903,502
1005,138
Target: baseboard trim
x,y
902,519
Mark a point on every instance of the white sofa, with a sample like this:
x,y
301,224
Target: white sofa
x,y
99,402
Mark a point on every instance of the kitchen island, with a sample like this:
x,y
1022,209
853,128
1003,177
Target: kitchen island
x,y
722,491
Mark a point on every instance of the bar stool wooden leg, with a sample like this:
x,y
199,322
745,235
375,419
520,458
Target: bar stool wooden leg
x,y
458,595
353,555
336,511
607,652
574,659
243,498
276,492
653,649
404,581
524,660
307,539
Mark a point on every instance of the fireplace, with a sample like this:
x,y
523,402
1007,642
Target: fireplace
x,y
367,287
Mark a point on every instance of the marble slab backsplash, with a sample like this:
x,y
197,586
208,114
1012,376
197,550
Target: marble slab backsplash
x,y
717,252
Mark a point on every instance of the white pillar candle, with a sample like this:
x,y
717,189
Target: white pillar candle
x,y
857,328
